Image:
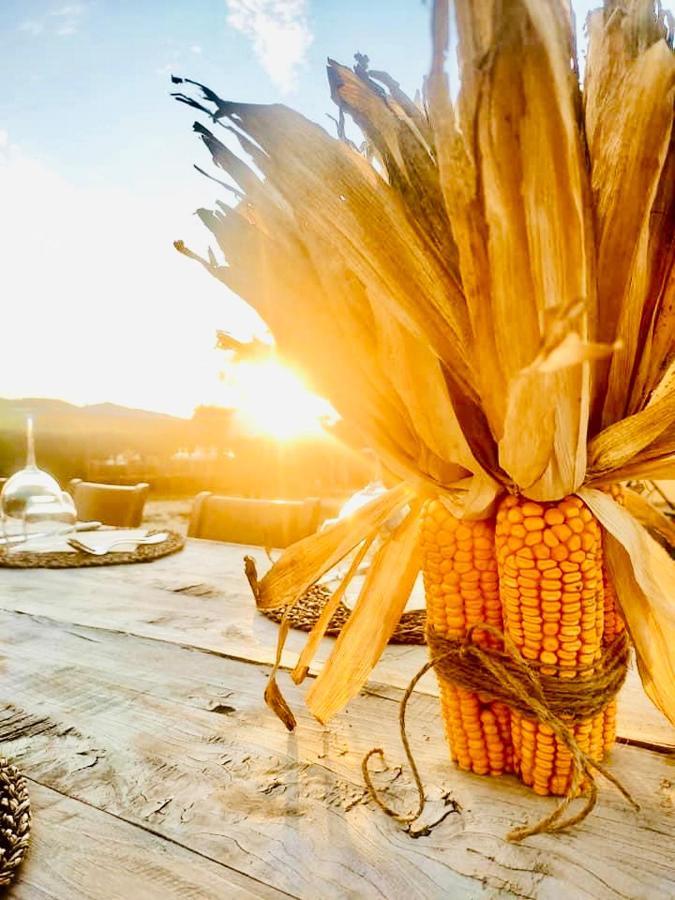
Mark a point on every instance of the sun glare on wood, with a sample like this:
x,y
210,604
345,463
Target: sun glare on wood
x,y
273,401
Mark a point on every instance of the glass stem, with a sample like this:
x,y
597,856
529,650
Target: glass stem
x,y
30,444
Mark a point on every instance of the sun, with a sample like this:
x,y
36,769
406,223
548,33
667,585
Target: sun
x,y
272,400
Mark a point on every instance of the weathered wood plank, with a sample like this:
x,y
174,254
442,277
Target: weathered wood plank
x,y
78,851
177,740
200,598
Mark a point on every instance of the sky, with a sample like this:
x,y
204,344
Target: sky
x,y
96,177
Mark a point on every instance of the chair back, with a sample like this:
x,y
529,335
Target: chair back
x,y
242,520
111,504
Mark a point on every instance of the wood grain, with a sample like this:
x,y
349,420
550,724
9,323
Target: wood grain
x,y
200,598
79,851
177,741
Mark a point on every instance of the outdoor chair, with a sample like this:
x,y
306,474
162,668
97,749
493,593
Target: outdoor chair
x,y
242,520
111,504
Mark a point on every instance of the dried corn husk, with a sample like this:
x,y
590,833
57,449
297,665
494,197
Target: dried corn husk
x,y
648,515
381,602
301,669
489,289
628,100
644,579
302,564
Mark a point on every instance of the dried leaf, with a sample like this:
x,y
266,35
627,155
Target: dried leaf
x,y
301,669
533,184
648,516
401,135
643,576
273,696
471,498
381,602
629,113
302,564
460,187
620,443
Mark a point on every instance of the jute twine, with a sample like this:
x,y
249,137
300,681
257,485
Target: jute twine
x,y
15,820
556,702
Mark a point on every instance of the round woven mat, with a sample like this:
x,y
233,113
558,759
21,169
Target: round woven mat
x,y
76,559
14,821
410,630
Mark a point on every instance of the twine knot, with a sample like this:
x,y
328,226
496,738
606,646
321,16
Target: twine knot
x,y
535,690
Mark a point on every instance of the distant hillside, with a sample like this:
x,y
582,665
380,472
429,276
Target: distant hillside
x,y
209,451
114,411
53,412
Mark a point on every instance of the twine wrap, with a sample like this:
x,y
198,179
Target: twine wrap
x,y
506,676
558,703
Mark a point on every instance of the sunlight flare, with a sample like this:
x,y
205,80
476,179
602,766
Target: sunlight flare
x,y
272,400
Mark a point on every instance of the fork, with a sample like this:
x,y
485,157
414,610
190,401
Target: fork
x,y
101,551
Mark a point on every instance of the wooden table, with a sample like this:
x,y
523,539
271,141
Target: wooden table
x,y
131,697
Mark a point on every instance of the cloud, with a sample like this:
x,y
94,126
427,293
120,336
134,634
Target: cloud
x,y
195,48
32,26
61,20
101,305
280,32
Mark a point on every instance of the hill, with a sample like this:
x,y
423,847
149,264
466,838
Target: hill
x,y
49,412
210,451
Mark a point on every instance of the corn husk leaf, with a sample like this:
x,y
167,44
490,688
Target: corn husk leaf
x,y
471,498
629,113
301,669
302,564
416,375
274,699
643,576
648,515
460,188
642,470
623,441
277,260
540,243
400,134
380,604
563,349
338,195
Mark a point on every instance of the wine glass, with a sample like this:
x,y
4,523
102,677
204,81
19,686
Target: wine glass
x,y
32,501
49,514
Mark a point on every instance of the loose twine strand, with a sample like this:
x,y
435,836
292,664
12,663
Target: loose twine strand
x,y
506,676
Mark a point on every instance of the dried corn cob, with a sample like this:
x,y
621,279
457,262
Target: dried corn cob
x,y
551,586
460,578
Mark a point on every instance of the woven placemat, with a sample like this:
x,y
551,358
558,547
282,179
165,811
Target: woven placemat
x,y
410,630
14,821
76,560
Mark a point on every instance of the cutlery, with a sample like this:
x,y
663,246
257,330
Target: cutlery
x,y
21,539
101,551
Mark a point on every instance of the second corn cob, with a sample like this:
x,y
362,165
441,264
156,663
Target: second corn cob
x,y
461,586
551,585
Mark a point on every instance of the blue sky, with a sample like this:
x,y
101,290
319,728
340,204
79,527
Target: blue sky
x,y
85,84
96,175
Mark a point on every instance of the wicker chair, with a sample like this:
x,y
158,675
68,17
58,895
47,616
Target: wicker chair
x,y
241,520
111,504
